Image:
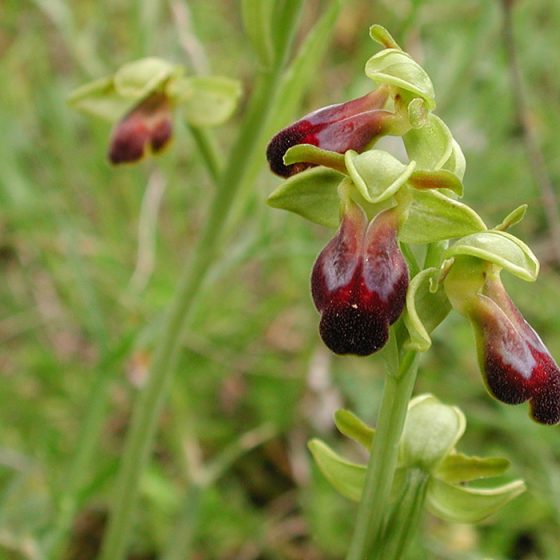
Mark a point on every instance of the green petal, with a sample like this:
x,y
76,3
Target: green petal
x,y
431,431
424,310
206,100
311,194
456,162
463,504
512,218
312,154
441,179
380,35
396,68
100,99
500,248
377,174
354,428
346,477
430,146
137,79
457,468
434,217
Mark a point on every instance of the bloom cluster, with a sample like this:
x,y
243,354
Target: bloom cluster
x,y
360,281
140,99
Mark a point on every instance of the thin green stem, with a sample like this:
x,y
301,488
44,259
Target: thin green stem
x,y
150,401
383,459
406,516
180,546
208,150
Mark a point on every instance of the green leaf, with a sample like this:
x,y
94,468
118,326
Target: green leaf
x,y
501,248
396,68
354,428
424,310
377,174
434,217
430,146
311,194
430,432
100,99
346,477
137,79
302,71
441,179
206,100
512,218
457,468
257,21
312,154
464,504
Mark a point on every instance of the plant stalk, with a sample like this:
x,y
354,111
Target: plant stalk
x,y
383,459
406,516
150,401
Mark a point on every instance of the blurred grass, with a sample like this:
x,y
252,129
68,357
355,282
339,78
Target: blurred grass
x,y
68,249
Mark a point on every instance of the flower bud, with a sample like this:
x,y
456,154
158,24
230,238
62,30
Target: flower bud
x,y
147,124
359,283
338,128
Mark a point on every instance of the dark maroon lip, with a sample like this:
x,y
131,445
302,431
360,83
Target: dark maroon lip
x,y
359,283
337,128
516,365
148,125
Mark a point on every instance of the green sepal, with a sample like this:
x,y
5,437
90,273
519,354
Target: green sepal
x,y
500,248
432,216
137,79
425,310
257,21
346,477
377,174
456,162
312,154
512,218
312,194
440,179
353,427
430,146
206,100
464,504
100,99
456,468
397,68
431,431
380,35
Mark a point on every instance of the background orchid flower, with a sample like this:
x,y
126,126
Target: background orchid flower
x,y
140,97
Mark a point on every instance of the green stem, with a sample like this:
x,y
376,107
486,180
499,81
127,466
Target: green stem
x,y
405,517
150,401
383,459
180,547
208,150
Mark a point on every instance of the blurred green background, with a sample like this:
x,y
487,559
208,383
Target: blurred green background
x,y
89,257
